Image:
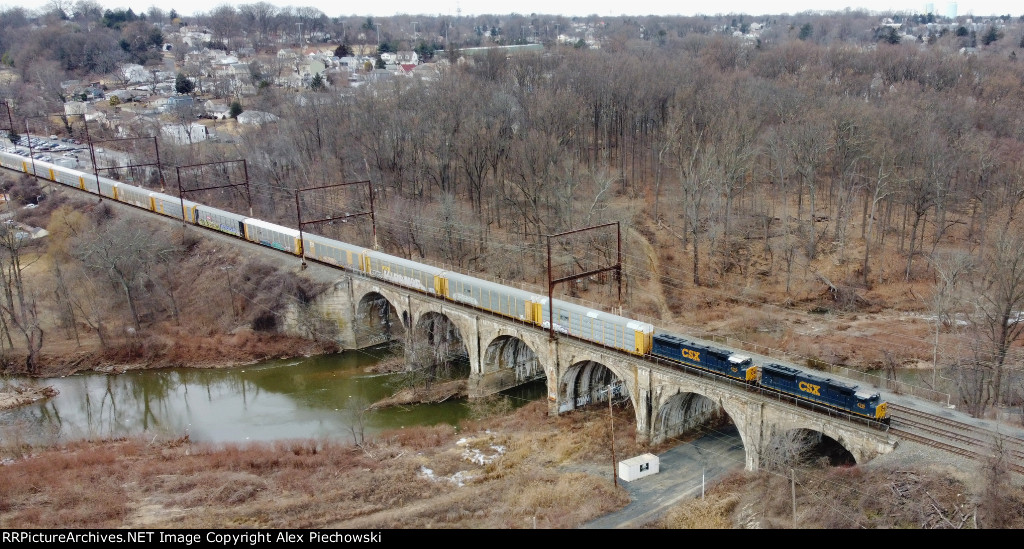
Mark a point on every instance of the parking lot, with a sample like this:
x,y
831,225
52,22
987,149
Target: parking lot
x,y
48,149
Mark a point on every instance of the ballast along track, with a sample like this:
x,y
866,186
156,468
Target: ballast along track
x,y
956,437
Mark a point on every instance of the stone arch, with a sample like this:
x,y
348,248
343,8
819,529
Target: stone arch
x,y
802,446
377,320
437,345
685,411
507,352
586,382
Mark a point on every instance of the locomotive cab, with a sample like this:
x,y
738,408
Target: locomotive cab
x,y
744,364
871,404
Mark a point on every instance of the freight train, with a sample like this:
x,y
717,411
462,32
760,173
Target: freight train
x,y
600,327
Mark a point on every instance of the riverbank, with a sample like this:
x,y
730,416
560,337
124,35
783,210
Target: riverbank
x,y
17,395
167,347
152,352
435,393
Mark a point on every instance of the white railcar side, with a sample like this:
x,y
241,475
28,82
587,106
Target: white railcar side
x,y
417,276
274,236
334,252
497,298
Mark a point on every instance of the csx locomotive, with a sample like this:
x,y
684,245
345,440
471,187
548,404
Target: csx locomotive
x,y
603,328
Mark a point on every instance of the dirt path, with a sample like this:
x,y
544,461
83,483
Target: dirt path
x,y
655,289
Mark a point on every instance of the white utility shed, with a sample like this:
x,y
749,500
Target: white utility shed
x,y
638,467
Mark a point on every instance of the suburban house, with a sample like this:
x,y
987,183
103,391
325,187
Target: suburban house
x,y
256,118
407,58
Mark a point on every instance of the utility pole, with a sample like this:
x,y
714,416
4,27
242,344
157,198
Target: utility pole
x,y
378,36
611,436
300,32
792,480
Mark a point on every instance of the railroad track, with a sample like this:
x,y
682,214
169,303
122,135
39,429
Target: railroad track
x,y
956,437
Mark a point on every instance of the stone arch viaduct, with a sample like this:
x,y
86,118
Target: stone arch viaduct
x,y
503,353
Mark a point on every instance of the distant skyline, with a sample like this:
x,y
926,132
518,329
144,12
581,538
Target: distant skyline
x,y
332,8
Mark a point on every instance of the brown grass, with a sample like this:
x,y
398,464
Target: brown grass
x,y
709,513
130,483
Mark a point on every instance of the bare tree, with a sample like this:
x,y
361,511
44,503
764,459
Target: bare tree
x,y
925,170
950,269
973,380
223,21
809,147
124,73
184,115
63,7
996,505
699,181
355,413
48,75
124,254
86,10
19,306
877,190
260,16
198,68
1000,301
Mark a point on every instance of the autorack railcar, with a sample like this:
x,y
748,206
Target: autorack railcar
x,y
220,220
619,332
171,206
404,272
272,235
334,252
500,299
136,196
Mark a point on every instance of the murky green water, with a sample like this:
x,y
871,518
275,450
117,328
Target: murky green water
x,y
316,397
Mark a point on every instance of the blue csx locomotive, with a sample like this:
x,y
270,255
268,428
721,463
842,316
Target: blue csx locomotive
x,y
784,379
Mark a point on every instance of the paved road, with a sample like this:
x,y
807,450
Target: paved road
x,y
679,477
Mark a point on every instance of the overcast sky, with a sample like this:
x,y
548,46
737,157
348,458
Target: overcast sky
x,y
333,8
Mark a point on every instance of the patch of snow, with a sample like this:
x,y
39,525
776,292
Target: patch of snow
x,y
458,479
478,457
